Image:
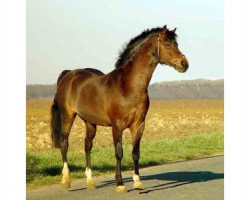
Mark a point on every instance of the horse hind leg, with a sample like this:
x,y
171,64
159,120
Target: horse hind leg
x,y
66,124
90,134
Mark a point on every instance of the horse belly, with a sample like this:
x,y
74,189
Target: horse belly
x,y
95,118
93,112
89,104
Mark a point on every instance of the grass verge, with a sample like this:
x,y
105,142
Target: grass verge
x,y
45,168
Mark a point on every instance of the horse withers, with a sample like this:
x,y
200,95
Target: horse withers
x,y
118,99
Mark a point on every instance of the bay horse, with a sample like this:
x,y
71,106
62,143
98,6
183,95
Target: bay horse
x,y
118,99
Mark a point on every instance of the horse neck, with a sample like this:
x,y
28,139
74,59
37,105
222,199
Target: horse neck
x,y
139,71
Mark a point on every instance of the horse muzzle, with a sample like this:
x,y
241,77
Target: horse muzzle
x,y
184,66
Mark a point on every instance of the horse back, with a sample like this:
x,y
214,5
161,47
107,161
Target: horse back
x,y
70,81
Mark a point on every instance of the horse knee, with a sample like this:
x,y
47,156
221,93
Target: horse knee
x,y
64,143
136,152
88,143
136,155
118,151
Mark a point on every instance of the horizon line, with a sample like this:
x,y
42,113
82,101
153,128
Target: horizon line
x,y
205,79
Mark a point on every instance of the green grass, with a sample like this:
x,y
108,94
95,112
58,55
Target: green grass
x,y
45,168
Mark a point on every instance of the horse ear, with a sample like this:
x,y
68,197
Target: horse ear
x,y
174,30
164,29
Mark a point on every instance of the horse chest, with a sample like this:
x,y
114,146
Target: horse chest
x,y
127,112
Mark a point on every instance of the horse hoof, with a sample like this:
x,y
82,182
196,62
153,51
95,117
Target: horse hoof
x,y
91,184
138,185
66,183
121,189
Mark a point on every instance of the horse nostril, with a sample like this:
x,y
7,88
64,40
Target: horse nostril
x,y
184,64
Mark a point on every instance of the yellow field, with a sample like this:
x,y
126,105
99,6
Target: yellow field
x,y
165,119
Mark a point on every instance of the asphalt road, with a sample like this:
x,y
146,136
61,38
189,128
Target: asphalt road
x,y
190,180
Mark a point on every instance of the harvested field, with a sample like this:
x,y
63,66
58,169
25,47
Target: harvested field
x,y
165,119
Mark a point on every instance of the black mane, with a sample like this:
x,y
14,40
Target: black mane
x,y
125,53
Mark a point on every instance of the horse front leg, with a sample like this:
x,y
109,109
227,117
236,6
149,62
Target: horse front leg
x,y
137,131
117,137
90,134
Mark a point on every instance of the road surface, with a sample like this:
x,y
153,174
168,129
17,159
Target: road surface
x,y
196,179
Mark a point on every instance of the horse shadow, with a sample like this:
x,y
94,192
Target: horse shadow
x,y
169,179
57,170
173,179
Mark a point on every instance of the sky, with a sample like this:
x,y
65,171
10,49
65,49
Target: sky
x,y
71,34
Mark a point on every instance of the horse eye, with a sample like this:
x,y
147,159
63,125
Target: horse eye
x,y
167,44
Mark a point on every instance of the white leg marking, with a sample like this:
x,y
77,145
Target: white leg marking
x,y
65,178
65,170
90,182
137,182
136,178
88,174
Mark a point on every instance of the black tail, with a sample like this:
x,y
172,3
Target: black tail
x,y
55,125
56,120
